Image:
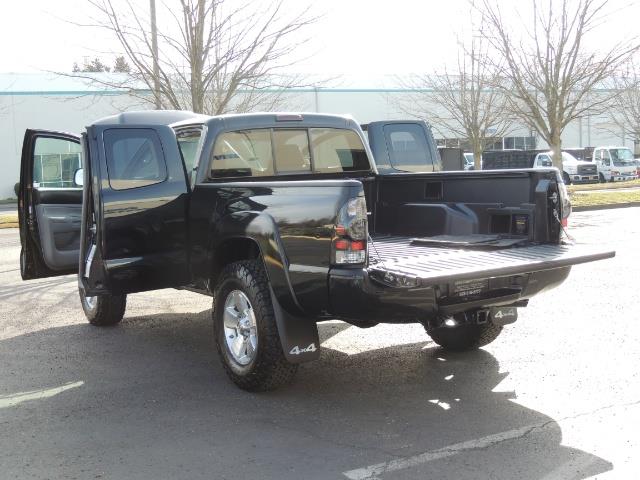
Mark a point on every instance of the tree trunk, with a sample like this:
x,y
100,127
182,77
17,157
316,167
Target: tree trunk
x,y
196,59
556,148
477,157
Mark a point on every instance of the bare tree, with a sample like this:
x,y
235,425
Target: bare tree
x,y
624,111
552,79
214,56
464,102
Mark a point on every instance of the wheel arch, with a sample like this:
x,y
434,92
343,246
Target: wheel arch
x,y
230,250
254,236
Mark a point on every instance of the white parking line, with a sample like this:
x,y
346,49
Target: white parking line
x,y
17,398
629,411
372,472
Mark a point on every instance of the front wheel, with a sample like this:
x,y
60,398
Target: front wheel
x,y
457,335
566,179
601,177
245,329
103,310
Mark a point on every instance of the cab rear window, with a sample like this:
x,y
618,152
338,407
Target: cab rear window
x,y
336,150
408,148
284,151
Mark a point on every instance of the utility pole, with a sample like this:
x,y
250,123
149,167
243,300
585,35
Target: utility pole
x,y
154,47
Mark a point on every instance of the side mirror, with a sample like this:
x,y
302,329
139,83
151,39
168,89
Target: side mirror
x,y
78,177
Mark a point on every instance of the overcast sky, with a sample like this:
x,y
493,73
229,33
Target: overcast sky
x,y
354,37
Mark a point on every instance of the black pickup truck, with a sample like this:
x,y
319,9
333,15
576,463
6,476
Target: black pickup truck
x,y
286,221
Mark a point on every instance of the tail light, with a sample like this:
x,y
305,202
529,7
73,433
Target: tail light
x,y
565,202
349,242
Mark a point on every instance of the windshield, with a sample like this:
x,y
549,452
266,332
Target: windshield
x,y
567,157
621,156
545,161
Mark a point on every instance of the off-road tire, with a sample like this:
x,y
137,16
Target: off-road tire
x,y
108,309
465,336
269,369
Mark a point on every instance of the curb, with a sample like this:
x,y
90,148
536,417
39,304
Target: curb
x,y
8,220
604,206
603,186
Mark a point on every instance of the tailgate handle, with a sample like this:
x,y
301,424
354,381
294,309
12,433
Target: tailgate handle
x,y
504,296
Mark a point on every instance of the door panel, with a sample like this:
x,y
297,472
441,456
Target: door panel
x,y
142,234
59,228
49,204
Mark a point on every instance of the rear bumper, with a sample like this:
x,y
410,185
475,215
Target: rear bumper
x,y
357,297
407,282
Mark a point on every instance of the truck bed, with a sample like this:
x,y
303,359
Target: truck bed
x,y
408,263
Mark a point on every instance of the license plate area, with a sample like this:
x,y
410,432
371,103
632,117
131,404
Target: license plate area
x,y
468,288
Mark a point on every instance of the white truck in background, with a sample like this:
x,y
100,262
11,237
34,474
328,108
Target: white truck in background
x,y
615,164
573,170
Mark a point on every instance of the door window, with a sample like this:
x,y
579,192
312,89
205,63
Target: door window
x,y
134,158
55,162
545,161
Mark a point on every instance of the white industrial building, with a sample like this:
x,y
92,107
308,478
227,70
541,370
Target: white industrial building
x,y
54,102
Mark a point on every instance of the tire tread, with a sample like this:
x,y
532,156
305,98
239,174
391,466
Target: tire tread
x,y
271,369
109,310
465,337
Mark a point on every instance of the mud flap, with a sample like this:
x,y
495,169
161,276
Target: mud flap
x,y
298,336
503,315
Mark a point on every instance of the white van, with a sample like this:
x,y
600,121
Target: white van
x,y
615,163
573,170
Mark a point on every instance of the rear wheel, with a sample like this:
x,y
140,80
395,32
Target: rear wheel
x,y
245,329
457,334
103,310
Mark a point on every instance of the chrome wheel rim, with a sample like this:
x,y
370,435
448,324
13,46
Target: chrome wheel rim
x,y
240,330
90,302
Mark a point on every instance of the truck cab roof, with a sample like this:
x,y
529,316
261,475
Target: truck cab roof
x,y
176,118
153,117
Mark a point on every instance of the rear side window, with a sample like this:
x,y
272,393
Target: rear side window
x,y
134,158
408,148
336,151
246,153
189,142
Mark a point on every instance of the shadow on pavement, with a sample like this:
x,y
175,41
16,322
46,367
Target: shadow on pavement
x,y
155,403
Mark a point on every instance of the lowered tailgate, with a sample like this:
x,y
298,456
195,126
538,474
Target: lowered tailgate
x,y
397,260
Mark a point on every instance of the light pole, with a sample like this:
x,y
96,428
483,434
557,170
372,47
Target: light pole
x,y
154,47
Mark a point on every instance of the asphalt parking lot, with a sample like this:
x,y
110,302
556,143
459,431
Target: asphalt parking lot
x,y
557,396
